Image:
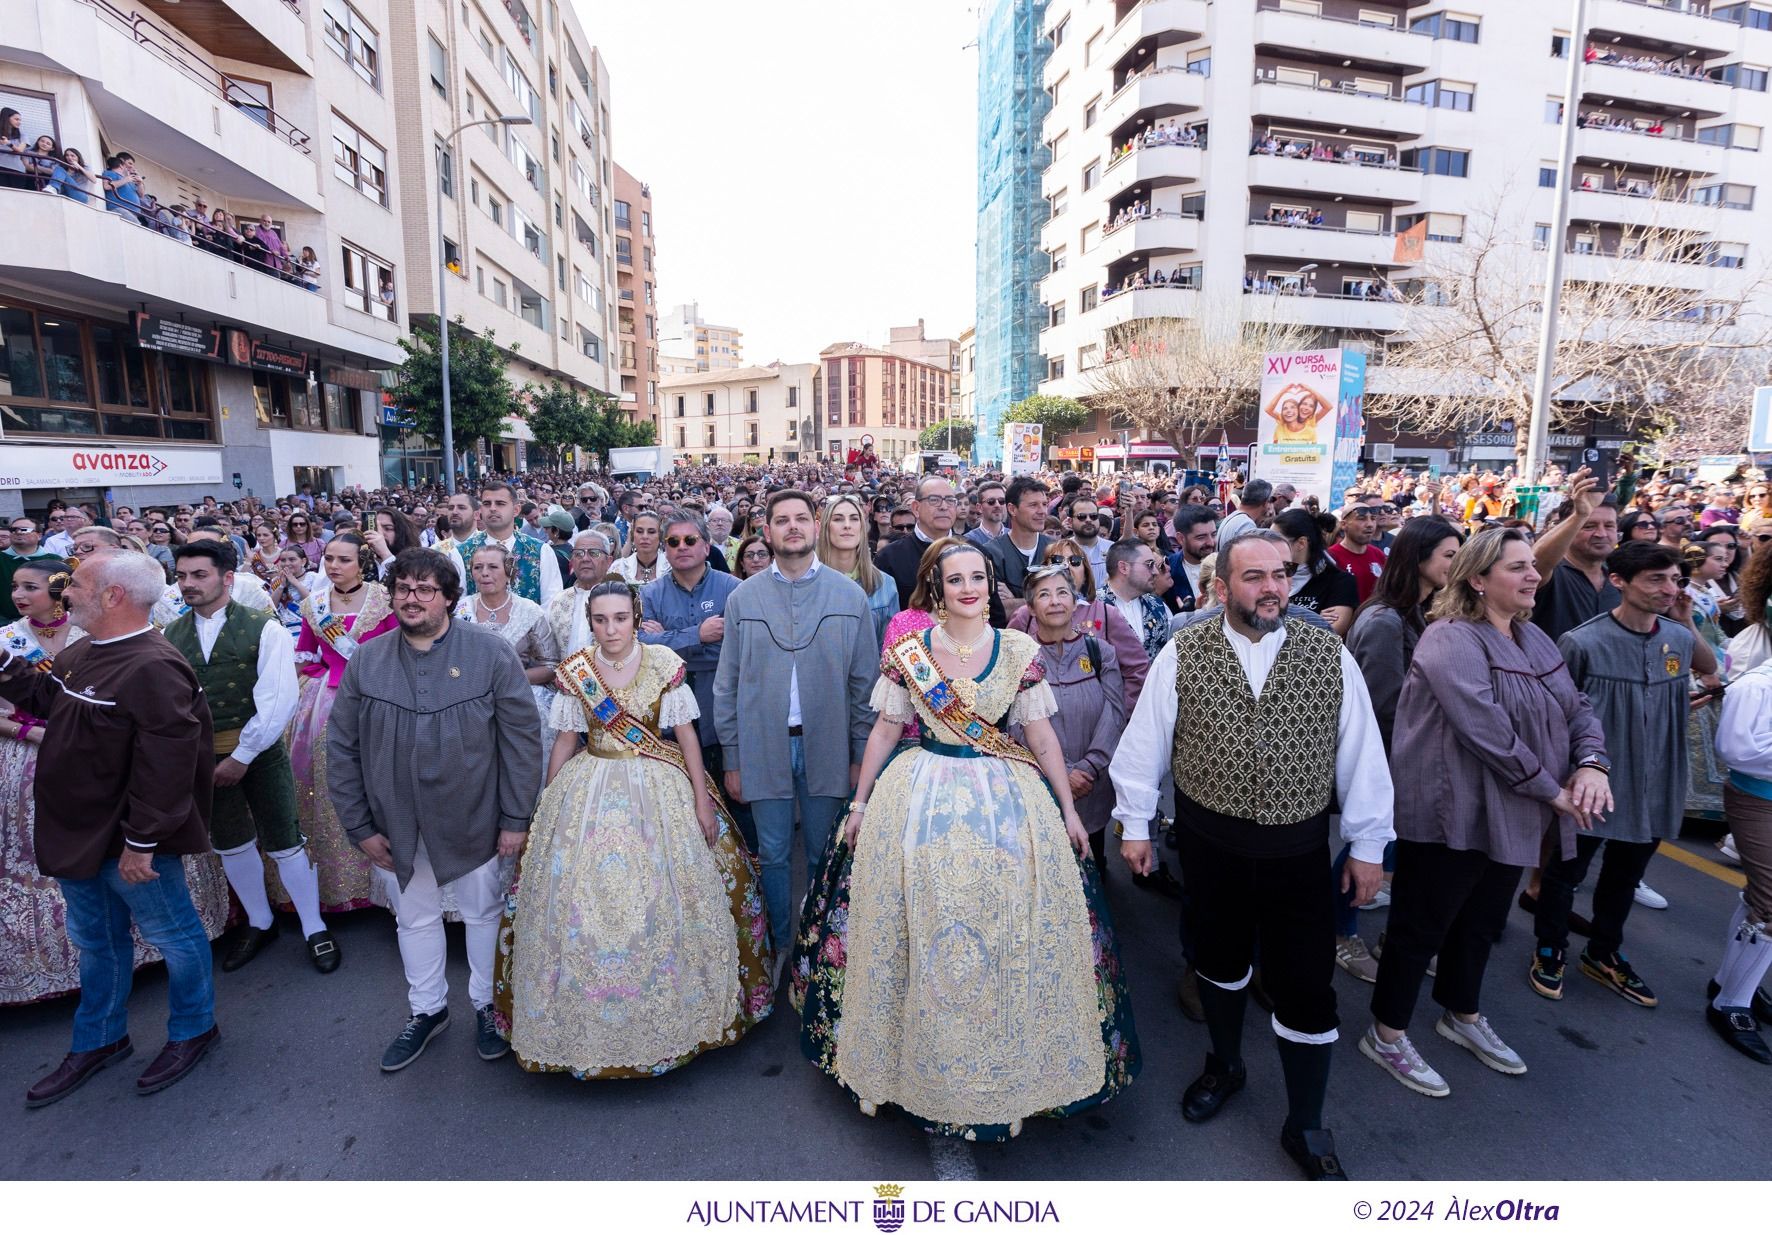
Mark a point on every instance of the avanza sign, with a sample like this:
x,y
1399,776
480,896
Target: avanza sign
x,y
85,467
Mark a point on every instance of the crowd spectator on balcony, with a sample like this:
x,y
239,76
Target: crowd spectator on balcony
x,y
308,269
71,178
385,290
14,171
276,252
42,161
224,237
123,185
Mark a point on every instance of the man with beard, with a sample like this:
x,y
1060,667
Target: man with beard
x,y
459,509
245,662
428,821
1263,722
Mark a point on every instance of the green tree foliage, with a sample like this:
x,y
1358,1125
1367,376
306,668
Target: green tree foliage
x,y
1058,414
560,416
481,397
935,437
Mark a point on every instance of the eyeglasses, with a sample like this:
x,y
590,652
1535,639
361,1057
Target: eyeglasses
x,y
939,501
416,591
22,531
590,553
678,542
162,531
903,527
990,501
1091,518
1072,560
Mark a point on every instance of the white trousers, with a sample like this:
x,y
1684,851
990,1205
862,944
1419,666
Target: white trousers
x,y
418,911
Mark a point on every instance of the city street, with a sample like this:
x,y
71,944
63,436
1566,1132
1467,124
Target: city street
x,y
293,1091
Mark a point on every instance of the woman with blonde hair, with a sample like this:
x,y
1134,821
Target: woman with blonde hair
x,y
842,545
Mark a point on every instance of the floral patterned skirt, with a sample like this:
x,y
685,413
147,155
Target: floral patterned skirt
x,y
628,946
822,956
344,872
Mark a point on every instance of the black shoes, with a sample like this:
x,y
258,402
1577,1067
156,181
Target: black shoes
x,y
1161,881
323,951
175,1061
1215,1086
413,1039
1314,1151
1761,1006
75,1070
1737,1027
488,1042
249,941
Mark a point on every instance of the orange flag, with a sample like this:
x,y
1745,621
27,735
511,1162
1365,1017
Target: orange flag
x,y
1412,244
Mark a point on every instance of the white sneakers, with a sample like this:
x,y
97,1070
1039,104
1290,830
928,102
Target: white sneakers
x,y
1351,955
1726,847
1381,899
1482,1041
1649,898
1402,1061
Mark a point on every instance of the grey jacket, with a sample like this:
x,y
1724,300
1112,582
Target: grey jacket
x,y
444,744
1383,643
821,625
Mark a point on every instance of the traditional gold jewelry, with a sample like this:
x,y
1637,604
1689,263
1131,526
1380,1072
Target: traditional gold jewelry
x,y
617,665
962,651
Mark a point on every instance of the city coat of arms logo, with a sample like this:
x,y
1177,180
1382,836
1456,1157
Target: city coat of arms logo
x,y
888,1207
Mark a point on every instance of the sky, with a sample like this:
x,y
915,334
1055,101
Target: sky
x,y
811,164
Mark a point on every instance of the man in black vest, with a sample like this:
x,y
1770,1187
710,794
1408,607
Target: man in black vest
x,y
245,661
1263,722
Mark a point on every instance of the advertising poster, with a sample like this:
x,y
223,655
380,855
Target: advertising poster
x,y
1021,448
1312,422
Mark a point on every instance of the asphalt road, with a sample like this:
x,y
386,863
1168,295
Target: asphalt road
x,y
293,1091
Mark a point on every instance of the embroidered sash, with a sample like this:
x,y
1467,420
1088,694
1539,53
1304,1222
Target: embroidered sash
x,y
21,646
330,626
924,678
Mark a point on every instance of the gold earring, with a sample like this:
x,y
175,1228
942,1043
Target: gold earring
x,y
941,611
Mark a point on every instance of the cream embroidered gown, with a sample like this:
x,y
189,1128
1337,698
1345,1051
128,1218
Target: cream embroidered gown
x,y
629,946
960,964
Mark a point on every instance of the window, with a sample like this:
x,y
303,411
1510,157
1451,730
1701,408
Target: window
x,y
1547,177
1459,27
1553,111
624,216
708,434
1744,15
359,162
527,99
1726,254
1059,201
486,45
353,40
624,251
439,67
1445,227
710,405
1559,46
1056,145
1091,237
1056,87
1092,175
793,425
473,190
1087,299
1452,95
501,295
1742,76
1193,206
1090,46
1054,368
1058,258
445,169
554,143
1188,276
1365,221
1090,112
1060,30
251,98
1200,62
1055,314
1434,161
1735,136
682,405
369,283
452,256
793,401
1728,196
681,444
496,209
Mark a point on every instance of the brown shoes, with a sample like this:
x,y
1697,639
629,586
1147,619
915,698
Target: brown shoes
x,y
176,1059
75,1071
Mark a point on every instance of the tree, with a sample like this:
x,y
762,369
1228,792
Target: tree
x,y
935,437
1188,379
481,397
560,416
1058,414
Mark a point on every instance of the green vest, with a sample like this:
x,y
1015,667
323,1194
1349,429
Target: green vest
x,y
1270,760
231,671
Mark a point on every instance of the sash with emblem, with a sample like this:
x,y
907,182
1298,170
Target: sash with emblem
x,y
330,626
924,678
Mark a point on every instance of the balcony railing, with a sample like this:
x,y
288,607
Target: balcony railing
x,y
1350,88
1641,62
1313,151
1274,6
1192,137
1127,220
1600,122
1295,222
1649,194
1134,78
1378,290
1693,8
167,46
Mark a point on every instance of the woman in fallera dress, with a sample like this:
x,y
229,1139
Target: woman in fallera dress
x,y
955,956
37,959
636,936
337,617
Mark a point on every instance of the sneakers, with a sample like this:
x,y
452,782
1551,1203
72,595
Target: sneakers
x,y
488,1041
1546,973
1380,899
1351,955
1648,897
413,1039
1726,847
1401,1060
1482,1041
1614,971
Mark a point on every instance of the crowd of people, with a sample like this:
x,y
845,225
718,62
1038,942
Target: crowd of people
x,y
1317,150
1163,133
1642,62
588,720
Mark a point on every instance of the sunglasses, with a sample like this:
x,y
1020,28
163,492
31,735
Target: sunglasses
x,y
1091,518
1072,560
162,531
677,542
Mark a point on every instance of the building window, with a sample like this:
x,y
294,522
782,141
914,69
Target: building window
x,y
1058,201
1055,316
1200,62
445,169
1553,111
1092,175
793,397
1741,76
1547,177
682,405
439,67
359,162
1090,112
624,251
452,255
1433,161
1459,27
369,283
1735,136
1729,255
710,404
681,443
624,216
1060,30
708,435
1054,368
528,101
1087,299
1744,15
1541,236
1451,95
353,40
1728,196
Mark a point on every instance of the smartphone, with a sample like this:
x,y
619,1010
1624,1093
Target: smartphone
x,y
1599,466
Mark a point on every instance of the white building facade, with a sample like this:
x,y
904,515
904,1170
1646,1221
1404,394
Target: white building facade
x,y
759,415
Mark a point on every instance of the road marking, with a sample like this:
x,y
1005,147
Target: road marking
x,y
1704,866
952,1159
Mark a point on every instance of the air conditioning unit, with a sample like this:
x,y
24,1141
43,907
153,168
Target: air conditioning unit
x,y
1384,452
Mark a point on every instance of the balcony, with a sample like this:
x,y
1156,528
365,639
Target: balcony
x,y
106,258
267,32
1663,23
1680,275
1154,165
1339,108
1634,148
1325,245
1343,38
1343,312
1644,210
1671,91
1330,178
1164,233
1164,21
1161,92
1143,303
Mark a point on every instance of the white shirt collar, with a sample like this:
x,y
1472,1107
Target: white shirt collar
x,y
1237,638
810,570
216,619
120,638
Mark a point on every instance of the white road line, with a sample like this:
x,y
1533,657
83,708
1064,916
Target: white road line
x,y
951,1159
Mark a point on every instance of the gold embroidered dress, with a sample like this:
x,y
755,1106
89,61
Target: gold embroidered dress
x,y
961,963
629,945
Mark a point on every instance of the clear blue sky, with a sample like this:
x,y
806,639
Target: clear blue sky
x,y
811,164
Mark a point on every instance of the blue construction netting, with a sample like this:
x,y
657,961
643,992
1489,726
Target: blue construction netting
x,y
1012,103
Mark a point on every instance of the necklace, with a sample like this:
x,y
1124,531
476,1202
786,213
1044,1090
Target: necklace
x,y
347,591
491,610
60,621
617,665
962,651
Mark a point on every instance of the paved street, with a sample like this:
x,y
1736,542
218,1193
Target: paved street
x,y
293,1092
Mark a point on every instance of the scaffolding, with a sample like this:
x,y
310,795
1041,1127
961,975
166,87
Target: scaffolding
x,y
1012,104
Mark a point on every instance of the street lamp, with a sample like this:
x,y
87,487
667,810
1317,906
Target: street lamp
x,y
443,295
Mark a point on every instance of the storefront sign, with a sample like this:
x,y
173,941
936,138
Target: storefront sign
x,y
79,467
250,353
162,334
355,379
1312,423
1021,448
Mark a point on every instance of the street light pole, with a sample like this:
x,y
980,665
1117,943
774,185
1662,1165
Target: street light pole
x,y
1538,431
443,295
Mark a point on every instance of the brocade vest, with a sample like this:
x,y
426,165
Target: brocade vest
x,y
1270,760
230,673
525,550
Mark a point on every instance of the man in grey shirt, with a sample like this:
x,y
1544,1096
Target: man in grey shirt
x,y
434,765
1255,506
797,664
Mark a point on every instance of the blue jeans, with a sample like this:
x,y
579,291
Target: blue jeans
x,y
99,912
1347,918
774,821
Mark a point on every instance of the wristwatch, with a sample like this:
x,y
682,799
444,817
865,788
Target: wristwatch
x,y
1597,764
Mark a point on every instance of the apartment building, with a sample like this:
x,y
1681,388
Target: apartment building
x,y
527,213
1263,157
875,397
685,337
636,308
149,360
911,341
749,415
968,383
